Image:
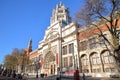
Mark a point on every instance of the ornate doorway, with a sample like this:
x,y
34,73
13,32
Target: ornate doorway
x,y
52,71
49,63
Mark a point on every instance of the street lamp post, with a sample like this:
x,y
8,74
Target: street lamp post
x,y
74,62
60,60
37,67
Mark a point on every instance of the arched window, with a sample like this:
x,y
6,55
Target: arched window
x,y
84,60
95,58
107,58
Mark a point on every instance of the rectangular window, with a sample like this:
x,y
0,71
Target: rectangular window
x,y
111,59
84,62
83,45
71,48
98,70
94,61
113,70
92,43
94,70
98,61
106,59
70,61
102,40
107,70
64,50
65,61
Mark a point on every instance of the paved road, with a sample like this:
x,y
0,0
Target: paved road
x,y
9,78
91,78
65,78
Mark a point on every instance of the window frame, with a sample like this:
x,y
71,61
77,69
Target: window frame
x,y
71,48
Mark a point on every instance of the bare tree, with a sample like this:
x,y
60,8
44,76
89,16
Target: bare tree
x,y
10,61
107,12
17,58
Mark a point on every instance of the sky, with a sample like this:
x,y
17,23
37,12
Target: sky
x,y
21,20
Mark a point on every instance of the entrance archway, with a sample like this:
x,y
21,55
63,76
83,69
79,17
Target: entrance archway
x,y
49,63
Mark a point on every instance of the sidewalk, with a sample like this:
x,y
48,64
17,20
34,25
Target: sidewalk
x,y
71,78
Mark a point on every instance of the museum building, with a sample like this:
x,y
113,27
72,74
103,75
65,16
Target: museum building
x,y
67,46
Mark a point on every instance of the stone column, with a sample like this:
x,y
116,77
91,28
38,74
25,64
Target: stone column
x,y
90,65
102,64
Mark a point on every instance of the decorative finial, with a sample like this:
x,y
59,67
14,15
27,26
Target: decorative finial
x,y
60,2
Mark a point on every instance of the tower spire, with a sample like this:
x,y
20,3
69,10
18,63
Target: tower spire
x,y
30,45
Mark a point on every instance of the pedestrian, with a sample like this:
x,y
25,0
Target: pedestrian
x,y
46,75
83,76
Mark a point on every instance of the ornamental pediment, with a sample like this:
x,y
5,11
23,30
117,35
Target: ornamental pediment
x,y
52,34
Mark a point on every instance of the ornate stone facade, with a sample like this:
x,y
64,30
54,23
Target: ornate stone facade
x,y
67,46
61,32
94,56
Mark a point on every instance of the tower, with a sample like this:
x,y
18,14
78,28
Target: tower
x,y
60,13
29,48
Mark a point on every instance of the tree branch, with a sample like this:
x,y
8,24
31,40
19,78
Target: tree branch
x,y
103,35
